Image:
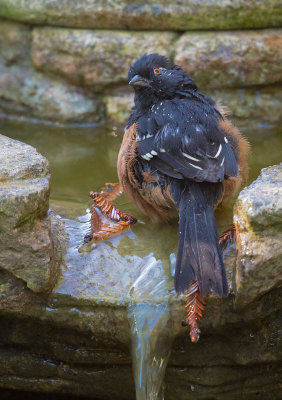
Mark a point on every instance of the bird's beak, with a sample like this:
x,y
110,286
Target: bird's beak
x,y
137,80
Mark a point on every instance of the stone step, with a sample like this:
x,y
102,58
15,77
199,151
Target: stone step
x,y
152,14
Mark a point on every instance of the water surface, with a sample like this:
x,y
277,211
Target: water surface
x,y
83,159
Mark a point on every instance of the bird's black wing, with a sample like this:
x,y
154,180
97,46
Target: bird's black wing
x,y
192,152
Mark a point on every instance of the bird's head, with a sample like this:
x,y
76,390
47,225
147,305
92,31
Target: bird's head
x,y
153,77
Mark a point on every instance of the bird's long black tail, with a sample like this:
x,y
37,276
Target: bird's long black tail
x,y
199,257
199,264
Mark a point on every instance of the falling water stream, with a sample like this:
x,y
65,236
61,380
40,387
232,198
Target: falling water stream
x,y
151,344
151,331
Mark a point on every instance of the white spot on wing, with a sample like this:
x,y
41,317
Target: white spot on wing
x,y
195,166
154,152
191,158
218,151
149,155
145,157
148,136
221,164
162,150
225,139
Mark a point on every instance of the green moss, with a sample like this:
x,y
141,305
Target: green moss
x,y
159,14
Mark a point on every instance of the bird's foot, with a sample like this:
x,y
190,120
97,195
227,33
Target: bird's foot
x,y
195,306
108,209
116,222
107,231
229,236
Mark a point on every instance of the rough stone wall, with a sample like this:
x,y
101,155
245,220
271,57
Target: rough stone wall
x,y
67,61
29,248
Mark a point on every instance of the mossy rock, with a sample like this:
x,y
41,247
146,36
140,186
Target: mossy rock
x,y
231,59
24,92
27,249
159,14
258,215
15,42
94,58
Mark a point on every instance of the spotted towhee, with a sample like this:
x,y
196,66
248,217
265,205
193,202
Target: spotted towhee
x,y
181,154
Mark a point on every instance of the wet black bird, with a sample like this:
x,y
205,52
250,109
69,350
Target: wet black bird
x,y
181,154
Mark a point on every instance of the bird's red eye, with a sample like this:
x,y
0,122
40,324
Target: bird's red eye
x,y
157,71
